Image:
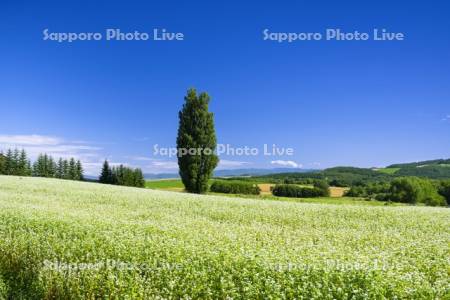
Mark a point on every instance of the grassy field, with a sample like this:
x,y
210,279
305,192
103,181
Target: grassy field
x,y
165,184
389,171
72,240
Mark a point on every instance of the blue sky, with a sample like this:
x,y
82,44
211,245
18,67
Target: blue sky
x,y
360,103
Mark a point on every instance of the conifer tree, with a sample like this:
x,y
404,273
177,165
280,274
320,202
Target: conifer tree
x,y
66,169
60,169
38,166
106,175
9,163
79,170
72,169
23,164
139,180
2,163
15,163
50,167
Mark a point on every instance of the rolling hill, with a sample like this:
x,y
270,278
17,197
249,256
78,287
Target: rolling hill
x,y
63,239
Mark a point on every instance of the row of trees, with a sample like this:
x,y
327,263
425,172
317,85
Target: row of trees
x,y
15,162
46,166
121,175
235,187
320,189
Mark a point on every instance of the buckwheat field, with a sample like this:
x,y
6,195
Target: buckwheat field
x,y
73,240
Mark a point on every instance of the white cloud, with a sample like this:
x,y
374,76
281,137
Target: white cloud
x,y
286,163
446,118
223,163
159,166
32,140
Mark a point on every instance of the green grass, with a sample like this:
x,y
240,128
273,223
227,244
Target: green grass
x,y
164,184
56,235
388,170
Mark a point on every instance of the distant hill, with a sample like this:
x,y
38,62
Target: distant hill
x,y
435,169
436,162
348,176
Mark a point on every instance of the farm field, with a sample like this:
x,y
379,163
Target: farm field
x,y
165,184
388,170
177,186
75,240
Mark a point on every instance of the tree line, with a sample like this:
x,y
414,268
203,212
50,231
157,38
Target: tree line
x,y
121,175
411,190
319,189
16,162
46,166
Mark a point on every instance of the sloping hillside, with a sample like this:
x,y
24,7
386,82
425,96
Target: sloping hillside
x,y
66,239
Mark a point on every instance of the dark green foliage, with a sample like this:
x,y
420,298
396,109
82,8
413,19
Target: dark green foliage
x,y
16,163
340,176
79,170
295,191
323,186
415,190
23,164
433,169
60,169
422,163
2,163
411,190
427,171
196,131
72,169
46,166
106,174
375,190
121,175
444,190
235,187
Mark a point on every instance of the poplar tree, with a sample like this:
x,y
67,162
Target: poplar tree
x,y
196,131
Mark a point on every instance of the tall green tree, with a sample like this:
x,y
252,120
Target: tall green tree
x,y
72,169
66,169
2,163
196,131
23,164
51,166
9,163
60,168
106,175
79,168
